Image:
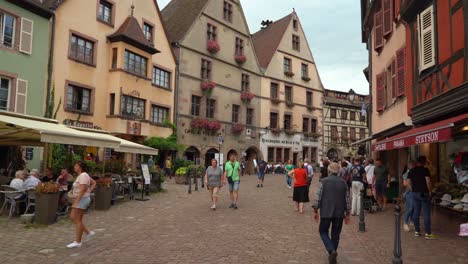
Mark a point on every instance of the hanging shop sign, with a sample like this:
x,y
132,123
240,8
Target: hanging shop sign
x,y
417,139
133,128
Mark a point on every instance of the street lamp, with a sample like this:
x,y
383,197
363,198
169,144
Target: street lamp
x,y
351,95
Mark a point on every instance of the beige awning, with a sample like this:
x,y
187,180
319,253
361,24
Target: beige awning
x,y
18,129
125,146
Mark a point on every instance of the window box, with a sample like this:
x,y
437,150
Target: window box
x,y
275,100
305,78
290,132
237,128
213,46
289,103
246,97
312,135
289,74
311,108
275,131
240,59
207,87
202,124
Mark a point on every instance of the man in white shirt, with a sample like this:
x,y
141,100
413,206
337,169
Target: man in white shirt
x,y
369,170
32,180
310,172
17,183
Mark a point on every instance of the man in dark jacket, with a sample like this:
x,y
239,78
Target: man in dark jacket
x,y
334,204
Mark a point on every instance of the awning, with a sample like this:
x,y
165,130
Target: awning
x,y
125,146
359,142
18,129
436,132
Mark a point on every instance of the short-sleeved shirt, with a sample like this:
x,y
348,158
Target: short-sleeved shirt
x,y
370,173
381,174
214,176
289,167
83,178
418,176
356,173
232,170
300,177
262,166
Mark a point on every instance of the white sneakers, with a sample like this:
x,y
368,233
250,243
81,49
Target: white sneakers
x,y
85,239
406,227
74,245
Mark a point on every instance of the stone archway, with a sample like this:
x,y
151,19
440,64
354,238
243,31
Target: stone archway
x,y
192,153
251,154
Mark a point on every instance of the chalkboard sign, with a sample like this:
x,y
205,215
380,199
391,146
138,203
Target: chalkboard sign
x,y
107,153
146,173
29,153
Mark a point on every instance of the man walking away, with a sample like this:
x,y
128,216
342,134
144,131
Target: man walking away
x,y
333,201
231,173
310,173
261,170
420,184
381,183
358,175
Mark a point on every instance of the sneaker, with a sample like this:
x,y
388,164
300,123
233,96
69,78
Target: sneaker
x,y
261,185
235,206
231,206
213,207
258,185
289,187
89,236
417,234
406,228
430,237
74,245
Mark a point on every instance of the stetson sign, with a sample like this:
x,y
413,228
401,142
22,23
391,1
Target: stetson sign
x,y
415,139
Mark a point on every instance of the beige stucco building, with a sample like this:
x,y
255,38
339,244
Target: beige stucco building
x,y
292,92
345,122
114,68
217,69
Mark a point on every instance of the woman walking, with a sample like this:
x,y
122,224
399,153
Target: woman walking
x,y
289,167
82,187
213,181
408,197
301,192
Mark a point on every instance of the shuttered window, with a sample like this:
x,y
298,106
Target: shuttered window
x,y
7,30
5,88
400,72
21,96
378,28
393,78
380,91
26,36
387,16
426,39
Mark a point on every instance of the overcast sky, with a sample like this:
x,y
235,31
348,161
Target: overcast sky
x,y
333,31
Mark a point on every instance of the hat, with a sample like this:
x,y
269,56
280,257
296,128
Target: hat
x,y
458,207
463,230
444,203
447,197
456,201
465,199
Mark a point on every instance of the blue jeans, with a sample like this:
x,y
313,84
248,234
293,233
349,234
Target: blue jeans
x,y
408,207
261,175
288,180
331,243
422,200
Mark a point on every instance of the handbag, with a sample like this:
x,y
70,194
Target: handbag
x,y
230,177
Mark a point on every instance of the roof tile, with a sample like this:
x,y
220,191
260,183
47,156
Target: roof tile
x,y
131,33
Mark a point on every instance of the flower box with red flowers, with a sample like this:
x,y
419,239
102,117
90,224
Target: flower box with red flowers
x,y
213,126
240,58
289,74
213,46
207,86
247,97
199,124
237,128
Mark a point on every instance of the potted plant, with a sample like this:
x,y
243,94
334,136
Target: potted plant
x,y
156,178
213,46
246,97
181,175
289,74
103,193
237,128
47,197
207,87
240,59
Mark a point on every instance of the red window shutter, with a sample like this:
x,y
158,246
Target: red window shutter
x,y
378,27
380,85
387,16
401,70
396,8
394,79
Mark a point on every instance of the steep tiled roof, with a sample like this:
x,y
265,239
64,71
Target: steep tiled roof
x,y
131,33
179,15
266,41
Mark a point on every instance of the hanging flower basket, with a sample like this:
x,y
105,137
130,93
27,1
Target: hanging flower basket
x,y
246,97
207,87
289,74
237,128
241,59
213,46
275,100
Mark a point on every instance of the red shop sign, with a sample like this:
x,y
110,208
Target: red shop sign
x,y
421,138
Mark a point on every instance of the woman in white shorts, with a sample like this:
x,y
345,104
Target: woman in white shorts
x,y
82,187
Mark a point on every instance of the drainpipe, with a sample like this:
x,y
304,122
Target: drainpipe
x,y
50,67
370,107
176,89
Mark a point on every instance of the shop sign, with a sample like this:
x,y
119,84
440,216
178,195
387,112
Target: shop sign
x,y
29,153
76,123
428,137
281,142
133,128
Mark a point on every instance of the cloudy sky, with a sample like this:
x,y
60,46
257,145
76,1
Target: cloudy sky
x,y
333,32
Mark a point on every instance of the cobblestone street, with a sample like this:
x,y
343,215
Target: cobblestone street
x,y
176,227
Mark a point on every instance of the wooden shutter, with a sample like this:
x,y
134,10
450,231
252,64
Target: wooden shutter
x,y
396,9
400,71
393,72
387,6
378,27
380,91
426,39
26,36
21,96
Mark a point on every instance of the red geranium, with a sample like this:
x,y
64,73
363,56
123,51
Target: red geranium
x,y
237,128
247,96
213,46
213,125
240,58
207,86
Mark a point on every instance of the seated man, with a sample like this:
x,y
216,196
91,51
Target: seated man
x,y
49,176
17,183
63,180
32,180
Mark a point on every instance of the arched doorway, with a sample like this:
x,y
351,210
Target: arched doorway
x,y
193,154
332,154
210,154
251,154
